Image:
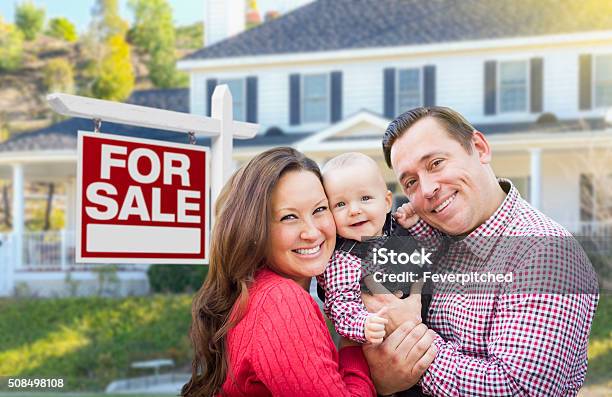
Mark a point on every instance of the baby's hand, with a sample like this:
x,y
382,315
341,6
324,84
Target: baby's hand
x,y
405,216
375,326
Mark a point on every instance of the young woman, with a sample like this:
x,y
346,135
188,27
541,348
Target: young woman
x,y
256,330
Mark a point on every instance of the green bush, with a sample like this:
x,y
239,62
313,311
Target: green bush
x,y
58,76
176,278
92,341
29,19
11,46
63,29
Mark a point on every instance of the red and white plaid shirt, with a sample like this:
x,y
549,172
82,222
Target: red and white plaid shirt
x,y
343,304
511,343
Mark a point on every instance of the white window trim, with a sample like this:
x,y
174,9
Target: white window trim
x,y
326,119
421,87
242,81
594,81
527,88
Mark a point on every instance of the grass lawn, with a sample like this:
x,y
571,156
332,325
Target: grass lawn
x,y
600,344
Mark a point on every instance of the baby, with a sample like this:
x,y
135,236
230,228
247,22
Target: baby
x,y
360,203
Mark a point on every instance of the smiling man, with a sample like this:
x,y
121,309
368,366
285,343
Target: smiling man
x,y
528,337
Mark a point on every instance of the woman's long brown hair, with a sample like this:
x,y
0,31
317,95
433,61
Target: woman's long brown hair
x,y
237,251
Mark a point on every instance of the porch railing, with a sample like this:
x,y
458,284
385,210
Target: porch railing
x,y
55,250
48,250
598,234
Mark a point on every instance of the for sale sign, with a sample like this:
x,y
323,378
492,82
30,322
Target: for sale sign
x,y
141,201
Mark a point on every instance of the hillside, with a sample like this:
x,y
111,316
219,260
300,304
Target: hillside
x,y
22,92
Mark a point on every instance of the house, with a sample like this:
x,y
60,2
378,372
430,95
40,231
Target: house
x,y
535,76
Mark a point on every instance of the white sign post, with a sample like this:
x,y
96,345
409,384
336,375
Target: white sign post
x,y
220,127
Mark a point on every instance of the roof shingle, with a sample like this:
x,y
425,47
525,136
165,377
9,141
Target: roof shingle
x,y
328,25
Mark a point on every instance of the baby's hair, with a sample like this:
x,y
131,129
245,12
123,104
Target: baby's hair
x,y
348,159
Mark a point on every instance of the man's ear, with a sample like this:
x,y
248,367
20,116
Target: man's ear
x,y
389,200
481,145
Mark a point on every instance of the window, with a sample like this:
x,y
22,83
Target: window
x,y
603,80
237,89
315,98
513,86
409,89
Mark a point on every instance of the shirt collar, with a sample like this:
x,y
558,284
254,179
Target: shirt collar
x,y
482,239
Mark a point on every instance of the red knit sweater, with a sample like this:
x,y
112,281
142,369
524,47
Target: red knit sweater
x,y
282,347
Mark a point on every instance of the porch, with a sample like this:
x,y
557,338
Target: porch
x,y
48,269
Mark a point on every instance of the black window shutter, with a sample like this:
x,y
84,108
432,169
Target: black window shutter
x,y
585,82
490,87
429,80
389,94
210,88
294,99
251,99
537,84
336,97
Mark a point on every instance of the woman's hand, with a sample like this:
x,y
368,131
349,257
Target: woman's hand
x,y
402,358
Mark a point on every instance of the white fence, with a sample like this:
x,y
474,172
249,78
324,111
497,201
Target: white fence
x,y
51,250
598,233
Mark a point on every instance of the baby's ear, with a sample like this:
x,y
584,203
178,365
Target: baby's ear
x,y
389,200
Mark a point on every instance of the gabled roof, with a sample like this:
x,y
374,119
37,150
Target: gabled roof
x,y
363,124
328,25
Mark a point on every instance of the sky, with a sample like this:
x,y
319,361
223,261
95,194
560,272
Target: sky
x,y
185,12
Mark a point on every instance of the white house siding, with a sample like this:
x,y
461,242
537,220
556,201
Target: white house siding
x,y
459,82
197,94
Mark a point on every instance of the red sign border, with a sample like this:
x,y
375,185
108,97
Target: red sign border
x,y
134,260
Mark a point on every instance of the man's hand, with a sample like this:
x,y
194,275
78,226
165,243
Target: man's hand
x,y
402,358
397,310
375,326
406,216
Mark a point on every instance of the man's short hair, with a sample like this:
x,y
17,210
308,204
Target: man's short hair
x,y
456,126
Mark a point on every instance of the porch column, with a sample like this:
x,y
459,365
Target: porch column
x,y
18,215
535,184
70,215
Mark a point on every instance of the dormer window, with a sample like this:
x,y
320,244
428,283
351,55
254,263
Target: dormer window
x,y
409,89
603,80
315,98
238,91
513,86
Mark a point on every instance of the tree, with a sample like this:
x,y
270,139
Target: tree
x,y
190,36
114,77
63,29
11,46
153,33
109,69
58,76
29,19
106,21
